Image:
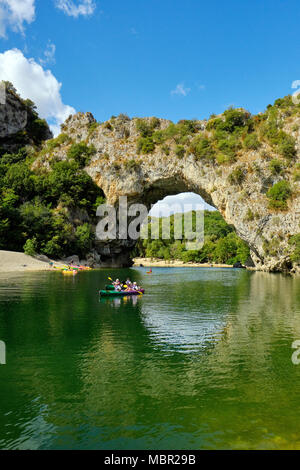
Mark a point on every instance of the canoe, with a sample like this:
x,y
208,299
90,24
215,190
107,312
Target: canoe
x,y
110,293
109,287
70,272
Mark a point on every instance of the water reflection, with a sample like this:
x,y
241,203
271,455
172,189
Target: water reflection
x,y
202,360
118,302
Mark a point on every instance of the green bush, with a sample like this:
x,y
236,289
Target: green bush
x,y
229,146
145,145
159,137
276,166
146,129
286,147
84,236
284,143
53,248
81,153
251,142
30,247
202,148
233,120
279,194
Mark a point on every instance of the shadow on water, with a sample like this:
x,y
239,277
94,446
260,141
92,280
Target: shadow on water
x,y
202,360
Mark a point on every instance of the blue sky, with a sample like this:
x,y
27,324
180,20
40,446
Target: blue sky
x,y
166,58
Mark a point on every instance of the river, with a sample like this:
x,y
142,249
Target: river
x,y
201,361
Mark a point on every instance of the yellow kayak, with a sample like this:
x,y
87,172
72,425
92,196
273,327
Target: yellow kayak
x,y
70,272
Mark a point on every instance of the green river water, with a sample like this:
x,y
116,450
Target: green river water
x,y
201,361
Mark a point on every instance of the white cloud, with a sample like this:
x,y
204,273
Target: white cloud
x,y
14,13
37,84
180,90
296,84
75,9
183,201
49,54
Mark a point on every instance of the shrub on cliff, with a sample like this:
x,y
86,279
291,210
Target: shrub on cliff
x,y
286,146
202,148
276,166
251,142
278,195
228,146
232,120
81,153
145,145
280,140
146,129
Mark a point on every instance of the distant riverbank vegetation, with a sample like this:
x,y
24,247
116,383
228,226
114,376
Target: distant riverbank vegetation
x,y
221,243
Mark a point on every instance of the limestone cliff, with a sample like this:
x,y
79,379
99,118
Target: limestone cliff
x,y
19,122
233,161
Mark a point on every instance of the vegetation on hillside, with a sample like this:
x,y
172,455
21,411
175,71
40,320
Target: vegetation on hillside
x,y
36,207
224,138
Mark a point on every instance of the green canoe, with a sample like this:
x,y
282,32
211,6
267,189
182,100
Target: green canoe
x,y
110,293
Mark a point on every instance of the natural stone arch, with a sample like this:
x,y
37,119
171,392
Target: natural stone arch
x,y
152,190
119,170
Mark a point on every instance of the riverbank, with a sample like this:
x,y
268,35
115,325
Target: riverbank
x,y
11,261
152,263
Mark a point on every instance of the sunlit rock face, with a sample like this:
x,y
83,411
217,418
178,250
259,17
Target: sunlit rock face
x,y
120,170
13,115
17,121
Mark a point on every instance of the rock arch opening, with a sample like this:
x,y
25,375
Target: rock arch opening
x,y
167,199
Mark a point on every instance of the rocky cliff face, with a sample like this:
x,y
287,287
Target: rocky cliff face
x,y
13,114
19,121
237,186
